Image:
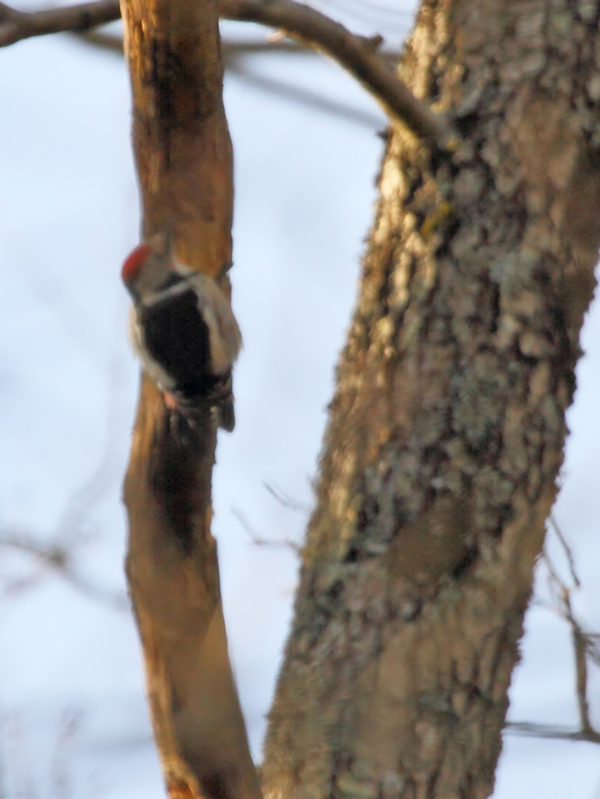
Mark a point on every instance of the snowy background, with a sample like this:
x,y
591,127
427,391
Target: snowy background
x,y
73,719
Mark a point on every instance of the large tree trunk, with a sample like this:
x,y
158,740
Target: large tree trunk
x,y
448,424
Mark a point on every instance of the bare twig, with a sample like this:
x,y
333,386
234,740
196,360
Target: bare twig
x,y
567,548
58,558
307,98
285,500
581,671
593,647
235,48
579,638
234,54
113,42
100,39
16,25
355,53
74,527
271,543
584,646
532,730
231,50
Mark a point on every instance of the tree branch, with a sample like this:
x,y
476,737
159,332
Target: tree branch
x,y
16,25
355,54
548,731
184,163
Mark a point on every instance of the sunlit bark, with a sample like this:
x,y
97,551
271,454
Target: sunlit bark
x,y
183,157
448,423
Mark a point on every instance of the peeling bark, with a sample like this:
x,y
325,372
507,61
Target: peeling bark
x,y
183,156
448,423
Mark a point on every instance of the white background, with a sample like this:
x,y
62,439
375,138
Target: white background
x,y
73,720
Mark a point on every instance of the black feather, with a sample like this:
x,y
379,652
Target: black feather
x,y
178,339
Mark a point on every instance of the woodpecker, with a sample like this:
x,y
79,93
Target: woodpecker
x,y
183,331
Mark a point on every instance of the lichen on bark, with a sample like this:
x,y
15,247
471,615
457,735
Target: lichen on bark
x,y
448,423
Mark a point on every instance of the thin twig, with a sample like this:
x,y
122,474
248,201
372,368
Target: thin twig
x,y
308,98
109,42
16,25
567,548
530,729
258,541
593,647
583,643
285,500
581,672
113,42
355,53
234,57
230,49
59,559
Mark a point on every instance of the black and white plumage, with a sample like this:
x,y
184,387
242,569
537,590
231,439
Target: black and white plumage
x,y
183,330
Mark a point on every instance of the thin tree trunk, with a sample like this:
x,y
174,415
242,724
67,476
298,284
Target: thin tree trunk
x,y
183,156
448,423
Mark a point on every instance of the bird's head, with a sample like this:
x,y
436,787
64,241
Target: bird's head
x,y
150,268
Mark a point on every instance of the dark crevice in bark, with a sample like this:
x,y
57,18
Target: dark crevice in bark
x,y
174,475
465,563
214,786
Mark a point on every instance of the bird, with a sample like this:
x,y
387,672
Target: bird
x,y
183,331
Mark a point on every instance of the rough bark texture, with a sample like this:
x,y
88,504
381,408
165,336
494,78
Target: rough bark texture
x,y
448,423
181,139
183,155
